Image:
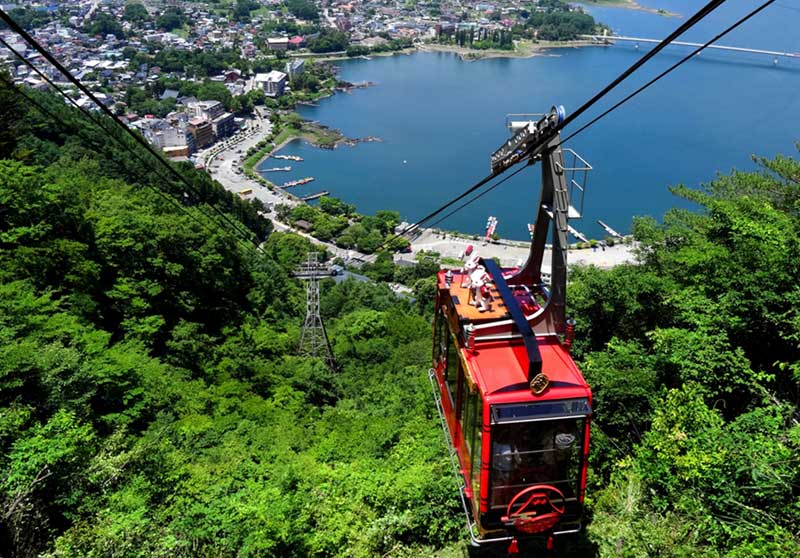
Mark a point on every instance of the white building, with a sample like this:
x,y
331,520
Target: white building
x,y
273,83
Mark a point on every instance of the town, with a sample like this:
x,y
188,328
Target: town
x,y
189,75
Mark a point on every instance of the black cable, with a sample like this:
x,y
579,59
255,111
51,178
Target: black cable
x,y
14,26
413,227
668,70
688,24
100,123
19,91
480,195
702,13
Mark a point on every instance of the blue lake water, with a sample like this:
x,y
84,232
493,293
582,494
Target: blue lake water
x,y
440,118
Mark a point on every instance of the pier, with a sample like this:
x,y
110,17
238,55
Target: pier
x,y
580,236
611,232
318,195
610,39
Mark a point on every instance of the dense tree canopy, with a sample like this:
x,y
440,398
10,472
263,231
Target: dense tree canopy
x,y
105,24
151,402
303,9
329,40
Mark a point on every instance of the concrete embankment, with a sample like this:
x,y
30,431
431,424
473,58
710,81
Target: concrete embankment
x,y
511,253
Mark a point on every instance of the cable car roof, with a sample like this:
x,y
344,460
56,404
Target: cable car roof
x,y
500,371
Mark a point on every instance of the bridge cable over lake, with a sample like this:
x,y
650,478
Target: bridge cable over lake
x,y
611,39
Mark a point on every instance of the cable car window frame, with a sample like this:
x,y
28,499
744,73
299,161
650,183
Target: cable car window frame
x,y
577,459
570,408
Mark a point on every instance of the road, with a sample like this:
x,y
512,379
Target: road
x,y
513,253
224,163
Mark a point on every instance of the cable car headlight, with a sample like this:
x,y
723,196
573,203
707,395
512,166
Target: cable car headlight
x,y
539,383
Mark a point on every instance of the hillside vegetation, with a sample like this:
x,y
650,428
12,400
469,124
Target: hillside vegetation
x,y
151,403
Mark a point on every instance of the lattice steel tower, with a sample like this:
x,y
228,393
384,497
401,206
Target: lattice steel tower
x,y
313,339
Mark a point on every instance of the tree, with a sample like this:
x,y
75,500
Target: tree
x,y
329,40
135,13
303,9
105,24
171,19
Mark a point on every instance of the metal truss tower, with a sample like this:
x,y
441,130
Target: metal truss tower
x,y
313,339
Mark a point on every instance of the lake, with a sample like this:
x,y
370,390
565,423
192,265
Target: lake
x,y
440,118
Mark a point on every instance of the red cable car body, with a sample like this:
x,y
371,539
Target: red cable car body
x,y
515,407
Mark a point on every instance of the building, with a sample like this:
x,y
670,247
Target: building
x,y
297,42
273,83
295,67
223,125
207,109
278,43
167,136
202,132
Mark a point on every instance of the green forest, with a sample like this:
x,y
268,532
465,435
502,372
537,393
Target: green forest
x,y
152,403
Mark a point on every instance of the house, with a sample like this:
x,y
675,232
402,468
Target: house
x,y
297,42
169,94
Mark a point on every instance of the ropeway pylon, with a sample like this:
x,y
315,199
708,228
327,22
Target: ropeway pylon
x,y
313,339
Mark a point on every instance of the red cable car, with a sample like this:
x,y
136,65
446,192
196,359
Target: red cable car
x,y
515,407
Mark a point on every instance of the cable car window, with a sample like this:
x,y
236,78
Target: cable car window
x,y
438,341
476,405
540,410
536,452
453,363
443,335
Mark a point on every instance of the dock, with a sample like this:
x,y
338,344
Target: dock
x,y
609,39
580,236
611,232
318,195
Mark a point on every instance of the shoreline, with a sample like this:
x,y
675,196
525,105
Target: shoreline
x,y
628,5
525,49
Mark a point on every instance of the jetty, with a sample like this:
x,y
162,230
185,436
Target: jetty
x,y
287,157
580,236
315,196
610,39
293,183
277,169
611,232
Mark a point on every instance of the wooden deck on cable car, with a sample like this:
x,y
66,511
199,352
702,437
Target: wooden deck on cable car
x,y
469,312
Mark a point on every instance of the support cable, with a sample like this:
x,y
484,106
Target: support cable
x,y
688,24
668,70
626,99
99,122
15,27
47,113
